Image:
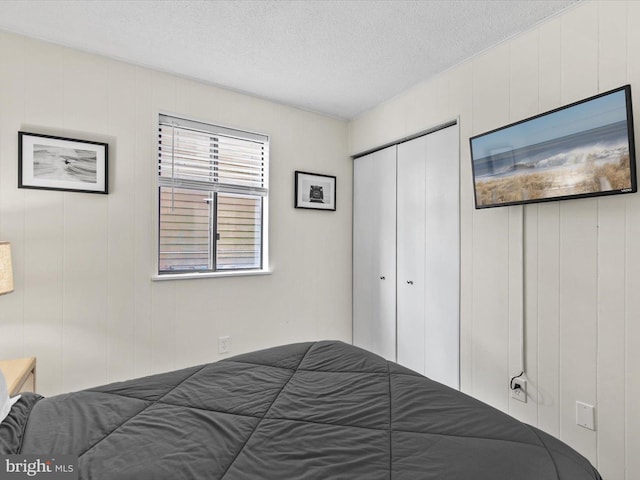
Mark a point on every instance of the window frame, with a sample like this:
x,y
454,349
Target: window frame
x,y
183,275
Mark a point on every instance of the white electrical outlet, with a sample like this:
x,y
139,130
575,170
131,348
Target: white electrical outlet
x,y
224,344
519,389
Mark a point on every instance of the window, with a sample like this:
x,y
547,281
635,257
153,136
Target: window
x,y
213,193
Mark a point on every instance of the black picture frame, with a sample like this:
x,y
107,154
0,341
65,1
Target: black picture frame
x,y
48,162
315,191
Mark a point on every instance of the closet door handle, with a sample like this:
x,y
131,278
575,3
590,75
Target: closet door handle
x,y
410,282
383,278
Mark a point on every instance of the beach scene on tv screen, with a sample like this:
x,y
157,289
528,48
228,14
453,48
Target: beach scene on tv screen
x,y
582,149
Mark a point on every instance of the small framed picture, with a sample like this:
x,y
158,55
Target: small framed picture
x,y
57,163
315,191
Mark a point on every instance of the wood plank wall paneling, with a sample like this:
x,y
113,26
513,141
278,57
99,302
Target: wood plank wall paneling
x,y
490,247
523,102
144,202
84,302
581,263
12,223
631,333
578,318
121,223
461,101
612,265
612,273
44,222
546,296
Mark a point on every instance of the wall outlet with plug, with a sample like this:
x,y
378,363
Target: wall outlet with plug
x,y
519,389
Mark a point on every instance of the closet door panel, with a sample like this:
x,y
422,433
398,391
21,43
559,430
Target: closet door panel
x,y
374,247
383,210
442,264
411,253
363,229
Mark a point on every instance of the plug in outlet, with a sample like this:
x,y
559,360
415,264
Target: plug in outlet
x,y
224,344
519,391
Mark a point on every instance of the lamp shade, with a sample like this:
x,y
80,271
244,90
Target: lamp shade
x,y
6,271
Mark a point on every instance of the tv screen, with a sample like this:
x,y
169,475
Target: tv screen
x,y
580,150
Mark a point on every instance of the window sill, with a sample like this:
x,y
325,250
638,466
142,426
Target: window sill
x,y
191,276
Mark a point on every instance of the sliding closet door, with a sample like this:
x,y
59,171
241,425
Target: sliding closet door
x,y
442,257
411,253
374,252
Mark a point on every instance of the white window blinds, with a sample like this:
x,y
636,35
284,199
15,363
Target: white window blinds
x,y
212,186
206,157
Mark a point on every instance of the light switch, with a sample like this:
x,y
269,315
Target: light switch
x,y
585,415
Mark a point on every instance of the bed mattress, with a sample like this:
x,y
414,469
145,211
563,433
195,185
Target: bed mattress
x,y
321,410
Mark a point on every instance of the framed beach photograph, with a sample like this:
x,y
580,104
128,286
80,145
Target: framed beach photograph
x,y
315,191
57,163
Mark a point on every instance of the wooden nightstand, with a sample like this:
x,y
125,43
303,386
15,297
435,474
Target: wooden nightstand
x,y
20,374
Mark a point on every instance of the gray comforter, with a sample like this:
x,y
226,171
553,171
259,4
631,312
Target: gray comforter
x,y
323,410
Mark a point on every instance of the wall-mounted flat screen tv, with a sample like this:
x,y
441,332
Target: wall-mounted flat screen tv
x,y
581,150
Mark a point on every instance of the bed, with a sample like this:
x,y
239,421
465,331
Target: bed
x,y
320,410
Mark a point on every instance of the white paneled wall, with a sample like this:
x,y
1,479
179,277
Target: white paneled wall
x,y
84,303
581,259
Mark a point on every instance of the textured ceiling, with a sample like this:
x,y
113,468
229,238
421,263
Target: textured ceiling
x,y
335,57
